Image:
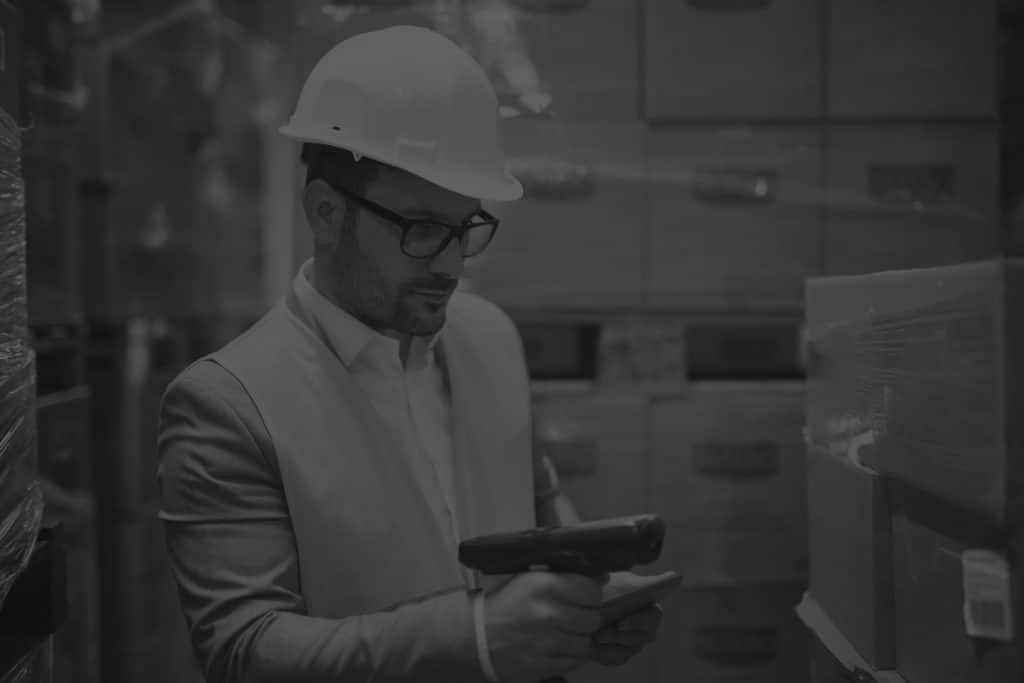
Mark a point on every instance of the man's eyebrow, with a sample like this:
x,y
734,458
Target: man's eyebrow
x,y
422,212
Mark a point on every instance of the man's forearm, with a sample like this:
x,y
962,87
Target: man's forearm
x,y
426,641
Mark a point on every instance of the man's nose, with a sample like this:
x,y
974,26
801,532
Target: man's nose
x,y
449,262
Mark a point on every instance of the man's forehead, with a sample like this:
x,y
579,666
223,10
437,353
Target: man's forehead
x,y
411,195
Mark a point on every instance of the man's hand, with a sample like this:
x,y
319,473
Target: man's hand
x,y
541,624
619,642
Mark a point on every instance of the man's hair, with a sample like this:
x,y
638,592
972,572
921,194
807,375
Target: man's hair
x,y
338,166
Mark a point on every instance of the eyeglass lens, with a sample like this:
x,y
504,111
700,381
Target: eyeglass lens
x,y
425,239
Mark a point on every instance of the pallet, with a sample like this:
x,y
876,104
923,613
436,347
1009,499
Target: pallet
x,y
657,353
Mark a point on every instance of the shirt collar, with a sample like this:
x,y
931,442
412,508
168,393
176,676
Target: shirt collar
x,y
346,334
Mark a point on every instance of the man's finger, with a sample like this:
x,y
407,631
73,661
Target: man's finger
x,y
645,620
630,639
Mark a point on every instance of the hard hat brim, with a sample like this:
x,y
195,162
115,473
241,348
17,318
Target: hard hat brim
x,y
502,187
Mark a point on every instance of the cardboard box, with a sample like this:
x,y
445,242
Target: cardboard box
x,y
762,60
599,443
586,60
640,669
728,478
935,601
911,196
736,220
735,634
577,245
912,59
851,555
833,658
924,366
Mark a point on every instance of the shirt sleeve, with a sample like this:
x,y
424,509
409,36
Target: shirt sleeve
x,y
234,558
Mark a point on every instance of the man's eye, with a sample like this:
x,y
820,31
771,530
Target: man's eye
x,y
427,231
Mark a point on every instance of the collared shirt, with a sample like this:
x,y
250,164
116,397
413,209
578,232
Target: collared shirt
x,y
411,397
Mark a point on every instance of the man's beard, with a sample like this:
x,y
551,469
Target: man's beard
x,y
364,293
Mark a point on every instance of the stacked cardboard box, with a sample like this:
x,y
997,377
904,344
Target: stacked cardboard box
x,y
636,415
727,475
850,534
917,521
833,658
732,634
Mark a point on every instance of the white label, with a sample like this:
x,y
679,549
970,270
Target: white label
x,y
988,605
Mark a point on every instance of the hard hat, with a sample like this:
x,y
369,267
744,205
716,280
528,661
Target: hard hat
x,y
410,98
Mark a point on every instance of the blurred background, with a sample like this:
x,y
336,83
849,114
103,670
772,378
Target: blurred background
x,y
690,167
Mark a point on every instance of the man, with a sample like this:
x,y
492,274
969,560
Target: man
x,y
319,472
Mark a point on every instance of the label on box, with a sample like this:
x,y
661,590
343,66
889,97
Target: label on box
x,y
987,598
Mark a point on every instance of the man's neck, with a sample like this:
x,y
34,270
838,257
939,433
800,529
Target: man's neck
x,y
404,340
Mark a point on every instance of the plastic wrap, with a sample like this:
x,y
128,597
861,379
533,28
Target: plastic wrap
x,y
13,308
21,499
33,666
21,502
915,373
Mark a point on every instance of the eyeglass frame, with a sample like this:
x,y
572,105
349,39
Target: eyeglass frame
x,y
406,224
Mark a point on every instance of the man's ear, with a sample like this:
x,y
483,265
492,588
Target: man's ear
x,y
325,212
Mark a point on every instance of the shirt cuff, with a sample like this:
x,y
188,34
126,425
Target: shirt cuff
x,y
482,650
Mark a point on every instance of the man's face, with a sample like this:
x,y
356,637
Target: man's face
x,y
370,275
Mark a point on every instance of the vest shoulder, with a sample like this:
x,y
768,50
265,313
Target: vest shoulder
x,y
261,343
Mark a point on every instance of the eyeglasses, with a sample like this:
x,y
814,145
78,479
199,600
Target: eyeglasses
x,y
424,239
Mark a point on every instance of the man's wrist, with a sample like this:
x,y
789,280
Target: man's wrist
x,y
483,651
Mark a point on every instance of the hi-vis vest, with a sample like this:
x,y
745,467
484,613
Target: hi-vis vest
x,y
366,538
